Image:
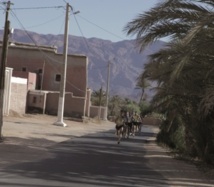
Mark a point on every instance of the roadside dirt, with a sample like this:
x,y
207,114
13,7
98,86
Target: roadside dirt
x,y
38,126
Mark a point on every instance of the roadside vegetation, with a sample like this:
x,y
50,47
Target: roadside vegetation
x,y
117,103
183,71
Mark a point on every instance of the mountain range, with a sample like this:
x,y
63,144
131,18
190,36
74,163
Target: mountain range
x,y
126,61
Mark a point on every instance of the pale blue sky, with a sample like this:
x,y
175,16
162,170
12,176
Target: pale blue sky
x,y
103,19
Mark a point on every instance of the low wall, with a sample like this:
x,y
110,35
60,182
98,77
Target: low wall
x,y
18,95
52,103
36,101
97,112
73,106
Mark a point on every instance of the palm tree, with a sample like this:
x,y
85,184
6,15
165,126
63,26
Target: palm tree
x,y
98,97
142,84
171,18
183,70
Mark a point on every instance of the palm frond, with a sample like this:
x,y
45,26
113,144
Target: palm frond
x,y
165,15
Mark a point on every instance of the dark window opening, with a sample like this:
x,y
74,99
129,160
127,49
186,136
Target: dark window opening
x,y
24,69
40,70
58,78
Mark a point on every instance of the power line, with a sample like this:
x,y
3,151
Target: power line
x,y
28,33
103,30
65,1
51,20
54,7
81,33
36,8
100,67
101,27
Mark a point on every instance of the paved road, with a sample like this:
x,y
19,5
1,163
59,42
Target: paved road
x,y
94,160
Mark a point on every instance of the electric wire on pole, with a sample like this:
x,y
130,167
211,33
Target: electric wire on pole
x,y
3,65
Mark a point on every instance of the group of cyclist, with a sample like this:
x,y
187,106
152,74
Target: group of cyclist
x,y
130,123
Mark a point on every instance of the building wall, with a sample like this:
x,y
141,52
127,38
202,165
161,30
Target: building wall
x,y
31,84
18,95
73,106
31,78
40,67
77,76
36,101
47,64
52,103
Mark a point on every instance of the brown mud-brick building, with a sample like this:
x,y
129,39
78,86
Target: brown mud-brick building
x,y
41,67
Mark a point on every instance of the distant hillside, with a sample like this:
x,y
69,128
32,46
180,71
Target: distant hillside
x,y
127,62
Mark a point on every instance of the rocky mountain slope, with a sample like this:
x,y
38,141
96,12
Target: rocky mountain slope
x,y
126,61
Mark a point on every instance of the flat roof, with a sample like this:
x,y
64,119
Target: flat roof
x,y
28,46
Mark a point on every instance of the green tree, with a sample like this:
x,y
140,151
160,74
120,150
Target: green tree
x,y
118,104
98,97
145,107
115,104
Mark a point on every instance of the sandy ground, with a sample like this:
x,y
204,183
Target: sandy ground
x,y
42,127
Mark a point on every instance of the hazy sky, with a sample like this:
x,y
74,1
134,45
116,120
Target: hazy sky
x,y
97,18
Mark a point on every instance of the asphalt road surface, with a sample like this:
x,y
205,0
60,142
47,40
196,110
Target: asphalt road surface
x,y
94,160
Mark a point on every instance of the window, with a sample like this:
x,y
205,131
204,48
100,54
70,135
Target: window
x,y
24,69
58,78
40,70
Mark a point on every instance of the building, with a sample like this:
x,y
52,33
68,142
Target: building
x,y
41,67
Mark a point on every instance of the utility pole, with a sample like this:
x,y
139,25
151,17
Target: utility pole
x,y
100,101
107,92
60,113
3,65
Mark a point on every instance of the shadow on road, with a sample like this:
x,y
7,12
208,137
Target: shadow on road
x,y
92,160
